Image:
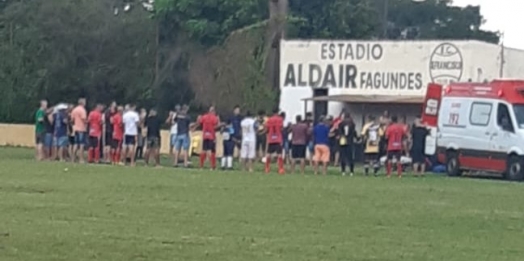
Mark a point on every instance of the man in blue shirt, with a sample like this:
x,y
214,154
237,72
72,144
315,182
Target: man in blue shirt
x,y
61,140
321,141
236,121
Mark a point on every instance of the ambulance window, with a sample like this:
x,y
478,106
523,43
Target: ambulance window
x,y
503,118
518,111
480,113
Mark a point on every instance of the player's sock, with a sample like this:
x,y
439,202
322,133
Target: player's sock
x,y
399,169
223,162
268,163
118,155
366,169
97,154
229,162
202,159
280,163
213,161
375,170
388,168
90,155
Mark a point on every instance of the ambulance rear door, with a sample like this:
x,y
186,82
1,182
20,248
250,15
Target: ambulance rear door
x,y
430,111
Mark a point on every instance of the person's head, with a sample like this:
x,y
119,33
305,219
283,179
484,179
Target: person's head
x,y
261,113
132,107
275,111
185,108
309,116
372,118
283,115
43,104
120,109
152,112
82,102
112,106
177,108
212,109
143,111
249,114
298,118
127,107
236,110
386,114
394,119
99,107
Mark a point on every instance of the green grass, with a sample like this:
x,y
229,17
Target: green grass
x,y
124,214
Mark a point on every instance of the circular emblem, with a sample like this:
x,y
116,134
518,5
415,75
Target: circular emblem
x,y
446,64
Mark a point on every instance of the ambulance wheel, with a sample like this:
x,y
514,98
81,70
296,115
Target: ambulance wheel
x,y
515,168
452,164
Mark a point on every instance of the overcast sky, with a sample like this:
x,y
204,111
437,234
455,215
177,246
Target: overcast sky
x,y
502,15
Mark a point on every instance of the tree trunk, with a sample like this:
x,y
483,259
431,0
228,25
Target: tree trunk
x,y
275,32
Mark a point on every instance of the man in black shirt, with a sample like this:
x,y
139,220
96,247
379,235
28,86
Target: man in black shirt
x,y
418,155
153,125
108,129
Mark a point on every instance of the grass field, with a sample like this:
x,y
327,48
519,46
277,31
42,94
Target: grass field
x,y
125,214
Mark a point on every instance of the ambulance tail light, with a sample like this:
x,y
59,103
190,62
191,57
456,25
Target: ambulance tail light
x,y
448,89
500,93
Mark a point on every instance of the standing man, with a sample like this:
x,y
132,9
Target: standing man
x,y
108,128
118,135
372,134
79,117
248,149
346,135
140,143
61,139
40,130
285,137
153,125
209,123
95,133
274,126
236,120
182,140
261,134
418,154
173,133
49,134
131,119
395,133
321,140
228,142
299,139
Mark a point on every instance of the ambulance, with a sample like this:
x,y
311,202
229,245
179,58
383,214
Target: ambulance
x,y
477,127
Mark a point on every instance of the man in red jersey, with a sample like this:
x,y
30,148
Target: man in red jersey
x,y
395,133
209,123
274,127
118,135
95,133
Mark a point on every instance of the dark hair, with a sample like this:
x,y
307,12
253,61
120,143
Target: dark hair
x,y
298,118
261,112
371,117
236,107
418,116
249,114
275,110
394,118
283,114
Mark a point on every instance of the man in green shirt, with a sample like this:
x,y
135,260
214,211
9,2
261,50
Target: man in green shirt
x,y
40,129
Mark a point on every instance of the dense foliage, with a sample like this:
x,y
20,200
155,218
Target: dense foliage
x,y
203,52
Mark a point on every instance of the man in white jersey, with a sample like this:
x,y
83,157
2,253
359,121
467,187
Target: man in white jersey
x,y
249,141
372,133
130,120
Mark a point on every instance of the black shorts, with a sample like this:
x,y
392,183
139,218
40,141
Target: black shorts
x,y
394,154
229,147
274,148
116,144
153,142
94,142
130,140
108,139
261,143
39,138
418,157
71,140
298,151
370,157
209,145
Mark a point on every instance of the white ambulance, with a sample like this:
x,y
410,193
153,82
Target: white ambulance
x,y
477,127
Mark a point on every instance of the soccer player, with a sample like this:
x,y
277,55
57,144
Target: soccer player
x,y
79,118
346,136
395,132
236,120
153,125
228,142
108,127
118,135
274,126
61,139
49,134
261,134
372,133
95,133
181,143
40,130
209,123
173,133
130,119
321,140
299,136
249,127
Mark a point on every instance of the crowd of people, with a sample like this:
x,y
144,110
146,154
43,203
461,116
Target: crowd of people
x,y
121,134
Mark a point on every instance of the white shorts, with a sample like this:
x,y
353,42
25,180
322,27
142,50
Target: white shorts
x,y
248,149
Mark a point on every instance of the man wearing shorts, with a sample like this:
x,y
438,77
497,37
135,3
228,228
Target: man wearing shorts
x,y
79,118
321,140
108,128
299,135
153,125
61,139
372,134
95,133
173,132
261,134
395,133
310,145
118,136
274,127
419,132
131,119
236,121
249,141
209,123
40,129
182,140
